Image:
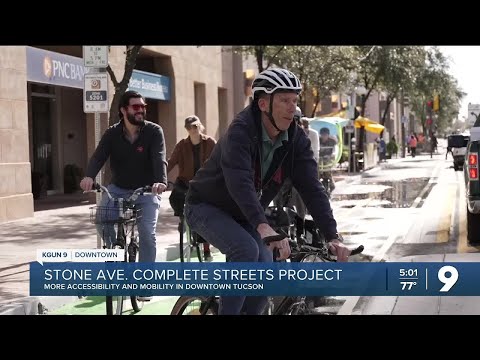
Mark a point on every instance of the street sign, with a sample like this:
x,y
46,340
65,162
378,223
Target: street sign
x,y
475,109
95,93
95,56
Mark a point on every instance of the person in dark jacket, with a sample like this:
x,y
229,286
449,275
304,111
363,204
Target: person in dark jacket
x,y
262,148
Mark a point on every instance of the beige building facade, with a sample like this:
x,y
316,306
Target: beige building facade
x,y
46,138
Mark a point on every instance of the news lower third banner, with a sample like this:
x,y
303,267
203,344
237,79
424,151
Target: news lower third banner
x,y
254,279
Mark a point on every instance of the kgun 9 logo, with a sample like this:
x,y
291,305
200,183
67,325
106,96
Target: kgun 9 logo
x,y
449,281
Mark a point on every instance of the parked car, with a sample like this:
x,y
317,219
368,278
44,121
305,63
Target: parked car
x,y
472,187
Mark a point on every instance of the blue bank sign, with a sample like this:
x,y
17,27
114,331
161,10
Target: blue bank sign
x,y
150,85
48,67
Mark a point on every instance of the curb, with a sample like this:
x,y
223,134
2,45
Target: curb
x,y
34,305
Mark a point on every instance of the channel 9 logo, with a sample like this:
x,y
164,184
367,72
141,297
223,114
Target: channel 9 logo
x,y
95,84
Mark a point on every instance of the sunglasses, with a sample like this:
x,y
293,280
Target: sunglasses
x,y
137,107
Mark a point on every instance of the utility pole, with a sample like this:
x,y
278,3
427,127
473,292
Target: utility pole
x,y
95,96
403,120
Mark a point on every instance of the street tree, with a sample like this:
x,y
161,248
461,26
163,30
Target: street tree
x,y
403,64
322,70
370,69
435,80
264,55
131,54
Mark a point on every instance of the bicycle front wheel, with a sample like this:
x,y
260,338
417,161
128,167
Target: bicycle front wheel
x,y
133,255
114,305
195,305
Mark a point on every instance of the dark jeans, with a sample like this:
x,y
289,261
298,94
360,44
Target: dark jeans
x,y
239,242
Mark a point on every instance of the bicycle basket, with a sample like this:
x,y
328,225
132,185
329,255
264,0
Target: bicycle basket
x,y
111,215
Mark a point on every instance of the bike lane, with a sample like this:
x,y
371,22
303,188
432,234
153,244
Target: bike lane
x,y
95,305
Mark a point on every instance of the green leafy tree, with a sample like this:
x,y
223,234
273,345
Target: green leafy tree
x,y
371,66
321,70
435,80
403,64
263,54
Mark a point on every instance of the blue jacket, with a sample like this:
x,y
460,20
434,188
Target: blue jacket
x,y
230,179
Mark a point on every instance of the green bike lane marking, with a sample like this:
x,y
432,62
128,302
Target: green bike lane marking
x,y
95,305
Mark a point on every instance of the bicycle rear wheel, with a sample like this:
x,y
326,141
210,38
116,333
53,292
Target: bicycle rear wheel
x,y
195,305
188,243
185,241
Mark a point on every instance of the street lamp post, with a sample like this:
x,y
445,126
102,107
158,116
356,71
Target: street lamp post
x,y
477,119
403,121
360,90
353,115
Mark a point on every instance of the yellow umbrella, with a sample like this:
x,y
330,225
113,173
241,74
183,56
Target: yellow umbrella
x,y
375,128
370,125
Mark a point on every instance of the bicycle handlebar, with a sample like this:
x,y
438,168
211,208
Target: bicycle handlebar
x,y
144,190
269,239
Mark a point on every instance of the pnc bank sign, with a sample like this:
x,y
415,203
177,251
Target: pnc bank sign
x,y
53,68
48,67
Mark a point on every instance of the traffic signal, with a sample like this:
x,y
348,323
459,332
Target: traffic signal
x,y
436,103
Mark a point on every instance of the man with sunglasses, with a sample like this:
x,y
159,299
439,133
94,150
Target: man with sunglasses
x,y
136,149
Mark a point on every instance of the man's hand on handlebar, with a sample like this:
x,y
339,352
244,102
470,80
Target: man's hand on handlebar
x,y
86,184
283,245
339,250
158,188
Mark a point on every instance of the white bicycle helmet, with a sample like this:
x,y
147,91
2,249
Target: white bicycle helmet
x,y
271,80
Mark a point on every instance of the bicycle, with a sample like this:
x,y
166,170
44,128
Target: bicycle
x,y
277,305
325,164
124,214
192,242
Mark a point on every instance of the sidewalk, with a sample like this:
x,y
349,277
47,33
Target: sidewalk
x,y
422,305
67,227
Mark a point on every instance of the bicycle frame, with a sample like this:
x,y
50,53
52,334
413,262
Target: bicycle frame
x,y
127,215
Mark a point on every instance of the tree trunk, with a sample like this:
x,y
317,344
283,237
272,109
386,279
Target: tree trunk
x,y
131,55
317,101
122,86
259,52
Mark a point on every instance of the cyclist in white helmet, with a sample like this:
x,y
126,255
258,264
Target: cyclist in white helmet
x,y
262,148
